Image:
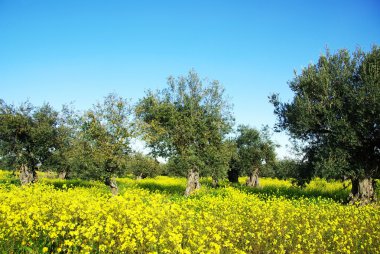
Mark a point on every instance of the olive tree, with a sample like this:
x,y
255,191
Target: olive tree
x,y
255,152
187,122
143,166
29,137
335,112
103,141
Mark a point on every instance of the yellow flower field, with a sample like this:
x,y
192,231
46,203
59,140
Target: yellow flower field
x,y
44,219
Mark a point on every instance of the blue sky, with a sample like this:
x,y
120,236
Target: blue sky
x,y
63,51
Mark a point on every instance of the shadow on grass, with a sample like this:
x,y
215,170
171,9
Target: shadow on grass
x,y
71,183
174,189
294,192
178,189
9,178
57,183
14,181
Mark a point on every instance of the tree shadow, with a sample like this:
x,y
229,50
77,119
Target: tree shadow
x,y
173,189
294,192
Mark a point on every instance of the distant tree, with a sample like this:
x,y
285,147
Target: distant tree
x,y
335,112
29,136
64,158
287,169
143,166
188,122
173,167
217,161
103,141
255,152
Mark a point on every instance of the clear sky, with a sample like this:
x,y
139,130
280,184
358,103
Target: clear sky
x,y
78,50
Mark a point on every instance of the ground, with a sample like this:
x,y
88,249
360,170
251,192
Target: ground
x,y
153,216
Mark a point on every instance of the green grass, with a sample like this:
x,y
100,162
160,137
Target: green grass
x,y
317,188
61,215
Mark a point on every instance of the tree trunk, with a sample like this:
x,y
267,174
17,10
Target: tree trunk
x,y
62,175
112,184
26,175
215,182
233,176
363,191
141,176
192,182
253,179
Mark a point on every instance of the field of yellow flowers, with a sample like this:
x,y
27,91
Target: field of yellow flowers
x,y
150,216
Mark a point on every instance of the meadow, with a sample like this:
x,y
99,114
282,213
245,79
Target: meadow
x,y
153,216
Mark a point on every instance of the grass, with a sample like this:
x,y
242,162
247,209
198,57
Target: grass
x,y
317,188
153,216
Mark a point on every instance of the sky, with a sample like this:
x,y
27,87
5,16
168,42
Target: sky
x,y
79,51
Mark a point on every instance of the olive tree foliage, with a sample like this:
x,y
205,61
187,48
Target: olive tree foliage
x,y
216,165
102,142
29,137
335,113
188,122
290,169
255,154
143,166
63,158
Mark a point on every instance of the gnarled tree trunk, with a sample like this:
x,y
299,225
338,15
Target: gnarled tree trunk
x,y
27,175
253,179
363,191
141,176
62,175
215,182
112,184
192,182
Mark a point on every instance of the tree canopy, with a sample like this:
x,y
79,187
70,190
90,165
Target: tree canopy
x,y
29,137
188,121
103,141
255,152
335,112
